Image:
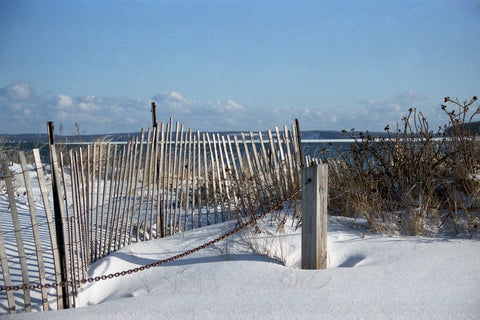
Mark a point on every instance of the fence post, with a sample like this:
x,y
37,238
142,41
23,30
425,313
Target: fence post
x,y
314,217
154,115
299,142
58,211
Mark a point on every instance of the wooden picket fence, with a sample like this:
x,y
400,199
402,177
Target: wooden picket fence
x,y
105,196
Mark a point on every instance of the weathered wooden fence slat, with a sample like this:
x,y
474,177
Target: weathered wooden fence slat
x,y
171,179
92,153
119,199
35,230
205,178
199,175
154,173
60,218
233,173
212,148
131,193
226,200
98,205
161,185
218,159
151,169
103,204
179,181
88,198
137,176
68,235
18,235
166,180
241,178
6,274
156,183
74,234
161,223
111,202
126,190
175,180
83,215
187,166
290,167
51,225
3,255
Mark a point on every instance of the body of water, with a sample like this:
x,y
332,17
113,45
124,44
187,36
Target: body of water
x,y
313,148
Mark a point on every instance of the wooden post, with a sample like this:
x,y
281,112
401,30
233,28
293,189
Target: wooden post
x,y
299,142
48,213
314,217
57,205
154,115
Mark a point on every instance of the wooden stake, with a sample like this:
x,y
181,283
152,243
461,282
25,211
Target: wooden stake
x,y
36,233
58,209
205,179
160,190
3,255
314,219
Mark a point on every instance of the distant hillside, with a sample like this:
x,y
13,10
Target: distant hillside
x,y
331,134
43,138
473,128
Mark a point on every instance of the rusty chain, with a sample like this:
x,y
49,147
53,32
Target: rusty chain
x,y
196,249
77,283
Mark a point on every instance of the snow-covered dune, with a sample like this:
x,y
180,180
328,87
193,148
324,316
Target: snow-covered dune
x,y
257,276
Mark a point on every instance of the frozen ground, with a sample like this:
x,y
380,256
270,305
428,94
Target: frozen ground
x,y
257,276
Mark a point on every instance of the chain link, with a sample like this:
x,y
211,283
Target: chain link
x,y
77,283
203,246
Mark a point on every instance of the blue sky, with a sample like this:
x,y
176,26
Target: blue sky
x,y
233,65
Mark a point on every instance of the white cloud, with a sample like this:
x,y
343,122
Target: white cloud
x,y
376,114
173,102
130,120
103,115
17,91
62,115
228,106
63,101
410,97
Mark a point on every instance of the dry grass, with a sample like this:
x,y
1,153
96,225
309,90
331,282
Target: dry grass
x,y
432,172
10,151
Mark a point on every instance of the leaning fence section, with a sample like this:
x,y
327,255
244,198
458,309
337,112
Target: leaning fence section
x,y
98,198
171,180
28,246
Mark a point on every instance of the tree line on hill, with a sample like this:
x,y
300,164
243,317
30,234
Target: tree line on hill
x,y
473,129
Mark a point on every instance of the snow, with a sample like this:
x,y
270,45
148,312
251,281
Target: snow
x,y
371,276
257,276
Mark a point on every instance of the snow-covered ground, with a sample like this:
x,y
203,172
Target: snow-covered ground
x,y
369,276
257,276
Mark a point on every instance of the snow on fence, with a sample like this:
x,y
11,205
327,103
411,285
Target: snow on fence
x,y
105,196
